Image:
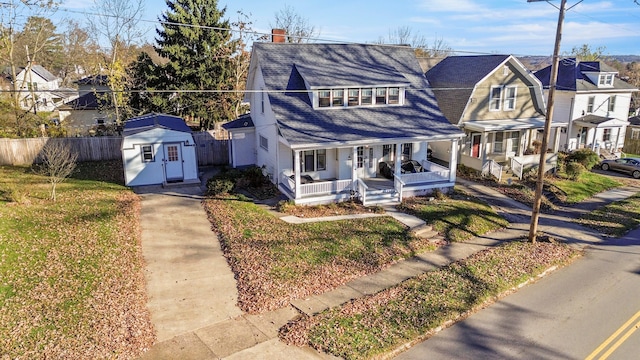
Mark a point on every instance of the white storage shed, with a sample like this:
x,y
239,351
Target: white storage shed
x,y
158,149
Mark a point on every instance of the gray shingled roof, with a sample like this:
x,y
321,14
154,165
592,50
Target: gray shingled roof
x,y
571,76
154,120
288,66
242,122
43,73
454,78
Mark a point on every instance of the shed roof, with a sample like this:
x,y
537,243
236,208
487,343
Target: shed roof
x,y
242,122
287,69
153,120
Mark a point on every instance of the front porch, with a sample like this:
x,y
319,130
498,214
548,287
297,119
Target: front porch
x,y
369,190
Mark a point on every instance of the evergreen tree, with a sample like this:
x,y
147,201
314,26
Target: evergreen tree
x,y
198,48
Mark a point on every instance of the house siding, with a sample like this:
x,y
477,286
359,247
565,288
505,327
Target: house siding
x,y
478,107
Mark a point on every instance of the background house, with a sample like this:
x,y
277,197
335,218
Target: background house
x,y
328,118
92,112
158,149
594,103
499,104
40,90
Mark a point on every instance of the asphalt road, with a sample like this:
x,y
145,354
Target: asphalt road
x,y
587,310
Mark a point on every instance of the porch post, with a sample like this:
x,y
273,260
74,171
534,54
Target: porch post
x,y
398,160
296,173
556,140
593,143
616,147
354,165
426,150
485,138
453,160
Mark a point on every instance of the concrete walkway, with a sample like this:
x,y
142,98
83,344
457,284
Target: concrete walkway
x,y
210,326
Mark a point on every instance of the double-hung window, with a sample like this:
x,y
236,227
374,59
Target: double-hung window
x,y
313,160
495,98
606,134
353,98
498,138
338,97
612,103
394,95
510,97
381,96
147,153
591,101
366,97
324,98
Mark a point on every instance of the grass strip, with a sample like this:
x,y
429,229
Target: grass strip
x,y
457,217
587,185
409,312
615,219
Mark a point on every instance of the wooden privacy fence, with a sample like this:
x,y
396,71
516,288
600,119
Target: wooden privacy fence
x,y
632,146
210,151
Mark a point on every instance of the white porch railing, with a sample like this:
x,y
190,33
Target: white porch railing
x,y
362,191
493,168
521,164
317,188
517,167
398,184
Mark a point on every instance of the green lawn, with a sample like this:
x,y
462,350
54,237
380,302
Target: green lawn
x,y
72,282
458,217
615,219
372,326
587,185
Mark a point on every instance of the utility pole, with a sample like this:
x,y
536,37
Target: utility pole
x,y
535,214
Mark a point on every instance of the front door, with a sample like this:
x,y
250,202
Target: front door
x,y
475,145
583,136
361,163
512,143
173,162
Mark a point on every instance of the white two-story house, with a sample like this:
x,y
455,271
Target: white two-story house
x,y
40,90
594,103
332,122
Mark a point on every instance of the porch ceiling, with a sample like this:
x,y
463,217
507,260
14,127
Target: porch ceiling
x,y
510,124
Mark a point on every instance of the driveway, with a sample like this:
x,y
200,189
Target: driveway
x,y
189,283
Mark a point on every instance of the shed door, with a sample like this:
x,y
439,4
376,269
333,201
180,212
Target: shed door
x,y
173,162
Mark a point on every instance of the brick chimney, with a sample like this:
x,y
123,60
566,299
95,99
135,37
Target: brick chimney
x,y
278,35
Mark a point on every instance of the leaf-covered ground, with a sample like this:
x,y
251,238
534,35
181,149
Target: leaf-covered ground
x,y
333,209
615,219
72,283
276,262
457,218
373,325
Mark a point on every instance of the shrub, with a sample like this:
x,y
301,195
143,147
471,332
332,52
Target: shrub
x,y
587,157
217,186
574,169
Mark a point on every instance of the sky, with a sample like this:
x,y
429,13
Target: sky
x,y
467,26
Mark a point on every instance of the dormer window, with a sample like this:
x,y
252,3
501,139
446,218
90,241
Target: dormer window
x,y
381,96
357,97
605,80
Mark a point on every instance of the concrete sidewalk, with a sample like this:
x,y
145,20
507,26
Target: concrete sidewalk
x,y
214,329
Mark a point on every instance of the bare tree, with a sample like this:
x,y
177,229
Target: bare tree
x,y
118,25
405,35
58,163
297,28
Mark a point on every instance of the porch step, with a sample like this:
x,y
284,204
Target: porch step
x,y
382,197
424,231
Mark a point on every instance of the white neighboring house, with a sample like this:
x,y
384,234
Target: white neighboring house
x,y
331,122
594,102
40,90
158,149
